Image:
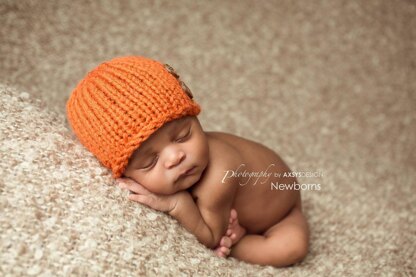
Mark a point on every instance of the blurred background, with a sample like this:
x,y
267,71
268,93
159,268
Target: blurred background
x,y
329,85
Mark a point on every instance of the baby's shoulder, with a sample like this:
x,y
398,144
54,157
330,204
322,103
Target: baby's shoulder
x,y
223,156
223,152
212,190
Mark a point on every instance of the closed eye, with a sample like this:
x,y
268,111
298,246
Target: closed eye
x,y
151,164
185,136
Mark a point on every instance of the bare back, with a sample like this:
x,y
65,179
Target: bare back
x,y
258,205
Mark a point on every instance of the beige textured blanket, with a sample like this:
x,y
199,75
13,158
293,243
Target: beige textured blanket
x,y
329,85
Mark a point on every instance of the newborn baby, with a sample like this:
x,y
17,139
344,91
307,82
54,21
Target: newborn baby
x,y
140,120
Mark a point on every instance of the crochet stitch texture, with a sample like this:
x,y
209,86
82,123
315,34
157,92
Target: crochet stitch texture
x,y
121,102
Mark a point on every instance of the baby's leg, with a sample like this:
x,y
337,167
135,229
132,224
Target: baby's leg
x,y
282,244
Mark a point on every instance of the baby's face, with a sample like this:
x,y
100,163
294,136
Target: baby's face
x,y
171,159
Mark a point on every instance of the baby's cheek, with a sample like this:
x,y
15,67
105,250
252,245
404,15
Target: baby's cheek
x,y
140,178
203,149
197,152
156,178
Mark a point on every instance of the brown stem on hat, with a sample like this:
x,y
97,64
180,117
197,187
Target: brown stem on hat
x,y
176,75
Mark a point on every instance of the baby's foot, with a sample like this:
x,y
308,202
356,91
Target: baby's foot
x,y
235,231
223,250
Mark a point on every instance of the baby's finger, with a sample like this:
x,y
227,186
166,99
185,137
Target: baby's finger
x,y
125,180
140,198
150,201
133,186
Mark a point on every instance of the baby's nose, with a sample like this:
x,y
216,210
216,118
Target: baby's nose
x,y
174,158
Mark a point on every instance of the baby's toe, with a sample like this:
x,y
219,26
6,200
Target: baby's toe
x,y
233,214
226,241
219,253
225,251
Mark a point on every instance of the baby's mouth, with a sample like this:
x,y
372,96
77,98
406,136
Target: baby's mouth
x,y
188,172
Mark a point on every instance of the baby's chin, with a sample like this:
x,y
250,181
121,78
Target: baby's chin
x,y
189,181
183,185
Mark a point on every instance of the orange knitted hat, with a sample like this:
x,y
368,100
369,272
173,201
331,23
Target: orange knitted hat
x,y
120,103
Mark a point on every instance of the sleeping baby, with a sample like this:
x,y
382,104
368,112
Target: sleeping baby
x,y
139,119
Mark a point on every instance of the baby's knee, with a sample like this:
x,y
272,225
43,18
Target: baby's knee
x,y
300,252
291,249
299,247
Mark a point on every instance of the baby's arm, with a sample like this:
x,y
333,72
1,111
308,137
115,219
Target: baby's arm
x,y
189,215
179,205
208,217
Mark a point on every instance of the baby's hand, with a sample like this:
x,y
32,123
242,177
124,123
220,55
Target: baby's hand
x,y
163,203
